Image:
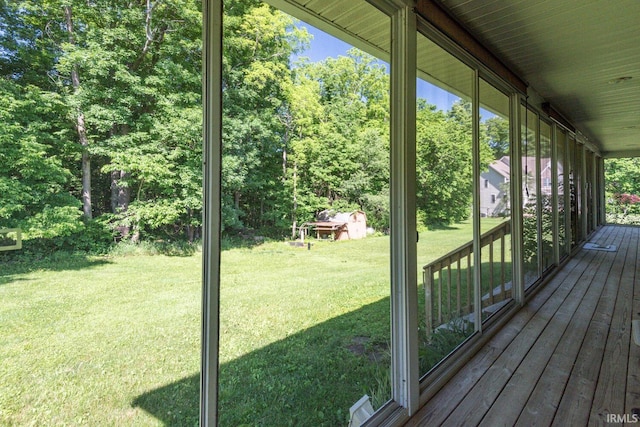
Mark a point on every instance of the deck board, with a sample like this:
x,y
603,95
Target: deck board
x,y
454,392
610,391
632,403
576,400
506,410
544,400
566,358
545,397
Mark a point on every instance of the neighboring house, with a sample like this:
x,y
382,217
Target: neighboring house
x,y
340,225
494,188
530,168
494,184
546,176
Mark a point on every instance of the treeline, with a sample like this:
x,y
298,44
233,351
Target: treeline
x,y
102,111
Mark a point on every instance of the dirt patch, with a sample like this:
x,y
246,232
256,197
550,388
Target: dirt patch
x,y
358,345
375,353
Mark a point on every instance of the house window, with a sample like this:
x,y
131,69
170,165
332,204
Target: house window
x,y
493,198
486,183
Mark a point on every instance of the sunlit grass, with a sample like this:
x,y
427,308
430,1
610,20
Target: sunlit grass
x,y
79,345
116,340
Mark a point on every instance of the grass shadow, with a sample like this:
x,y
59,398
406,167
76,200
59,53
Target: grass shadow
x,y
308,379
236,242
176,404
178,249
442,227
14,266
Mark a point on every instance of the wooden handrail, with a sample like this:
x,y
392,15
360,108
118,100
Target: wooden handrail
x,y
18,239
448,269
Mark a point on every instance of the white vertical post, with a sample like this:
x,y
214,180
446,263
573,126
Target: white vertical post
x,y
602,211
475,215
538,179
554,193
595,193
404,292
212,166
567,195
584,198
516,198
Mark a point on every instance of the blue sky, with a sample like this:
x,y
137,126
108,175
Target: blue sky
x,y
325,46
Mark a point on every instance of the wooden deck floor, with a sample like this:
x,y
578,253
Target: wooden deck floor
x,y
567,358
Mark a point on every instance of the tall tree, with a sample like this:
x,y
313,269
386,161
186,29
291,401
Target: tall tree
x,y
259,42
79,117
340,147
444,163
497,131
34,176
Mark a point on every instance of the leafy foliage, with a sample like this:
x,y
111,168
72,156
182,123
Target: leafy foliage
x,y
101,104
339,140
444,163
34,153
622,178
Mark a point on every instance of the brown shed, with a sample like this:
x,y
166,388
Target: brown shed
x,y
340,225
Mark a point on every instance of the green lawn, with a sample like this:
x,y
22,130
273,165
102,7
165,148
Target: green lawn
x,y
81,340
116,340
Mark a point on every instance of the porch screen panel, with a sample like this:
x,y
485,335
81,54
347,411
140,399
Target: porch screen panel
x,y
561,142
547,185
444,197
589,186
495,200
573,193
305,287
530,213
600,196
578,183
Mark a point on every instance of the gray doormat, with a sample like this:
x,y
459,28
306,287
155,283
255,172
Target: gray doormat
x,y
597,247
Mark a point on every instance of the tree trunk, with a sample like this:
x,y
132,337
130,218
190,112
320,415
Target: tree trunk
x,y
189,229
236,200
86,169
120,198
294,215
80,126
120,194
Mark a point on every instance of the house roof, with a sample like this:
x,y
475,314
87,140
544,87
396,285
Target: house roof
x,y
529,166
501,166
328,215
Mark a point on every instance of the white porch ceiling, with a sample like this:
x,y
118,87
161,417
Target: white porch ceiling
x,y
569,51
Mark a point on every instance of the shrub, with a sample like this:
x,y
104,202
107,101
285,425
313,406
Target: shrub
x,y
90,236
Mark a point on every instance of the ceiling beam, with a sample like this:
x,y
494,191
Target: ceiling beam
x,y
439,18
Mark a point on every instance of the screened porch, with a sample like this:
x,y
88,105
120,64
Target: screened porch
x,y
567,358
558,350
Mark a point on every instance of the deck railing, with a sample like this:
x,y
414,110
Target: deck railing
x,y
448,280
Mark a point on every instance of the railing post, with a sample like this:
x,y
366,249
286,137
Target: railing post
x,y
469,284
439,308
503,295
440,297
458,289
449,286
427,278
491,271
